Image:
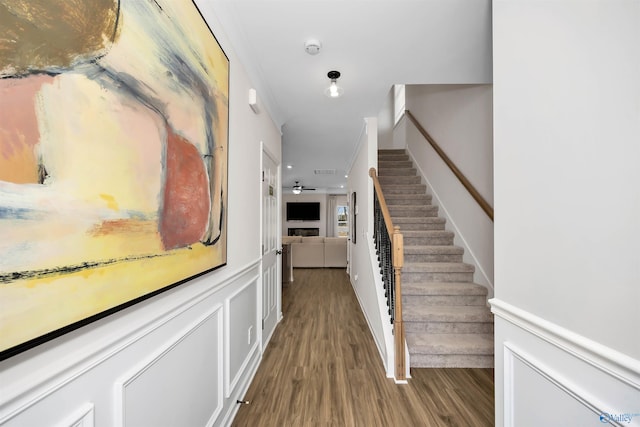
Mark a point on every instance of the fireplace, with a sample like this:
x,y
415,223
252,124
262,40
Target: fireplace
x,y
303,231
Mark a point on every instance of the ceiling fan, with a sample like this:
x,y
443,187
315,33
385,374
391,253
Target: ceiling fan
x,y
297,188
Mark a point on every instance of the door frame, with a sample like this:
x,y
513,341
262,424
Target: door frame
x,y
264,150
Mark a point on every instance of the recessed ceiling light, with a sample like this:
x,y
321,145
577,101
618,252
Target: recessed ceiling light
x,y
346,176
289,166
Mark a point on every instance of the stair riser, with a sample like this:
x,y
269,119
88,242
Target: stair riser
x,y
393,158
418,220
476,316
399,180
428,241
412,199
449,327
386,164
451,361
419,226
437,277
449,300
433,258
397,172
405,189
413,211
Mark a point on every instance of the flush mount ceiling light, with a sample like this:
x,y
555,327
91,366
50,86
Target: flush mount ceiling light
x,y
334,91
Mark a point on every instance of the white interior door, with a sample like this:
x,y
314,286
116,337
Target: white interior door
x,y
271,266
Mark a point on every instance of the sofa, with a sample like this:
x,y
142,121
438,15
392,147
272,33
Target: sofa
x,y
317,252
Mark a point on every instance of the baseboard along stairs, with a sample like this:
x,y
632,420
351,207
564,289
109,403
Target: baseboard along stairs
x,y
446,318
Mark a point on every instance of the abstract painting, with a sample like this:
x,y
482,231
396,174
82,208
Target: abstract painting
x,y
113,159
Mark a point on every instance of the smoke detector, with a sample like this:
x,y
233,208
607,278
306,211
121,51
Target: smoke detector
x,y
312,46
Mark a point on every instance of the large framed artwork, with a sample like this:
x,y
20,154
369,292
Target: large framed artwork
x,y
113,159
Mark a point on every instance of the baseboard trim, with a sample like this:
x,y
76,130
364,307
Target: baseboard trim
x,y
241,390
618,365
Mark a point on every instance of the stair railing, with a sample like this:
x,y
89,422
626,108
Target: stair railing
x,y
390,249
486,207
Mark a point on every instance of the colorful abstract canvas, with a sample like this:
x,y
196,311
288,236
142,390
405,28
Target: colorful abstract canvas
x,y
113,158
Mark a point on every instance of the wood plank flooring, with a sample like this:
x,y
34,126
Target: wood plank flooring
x,y
322,368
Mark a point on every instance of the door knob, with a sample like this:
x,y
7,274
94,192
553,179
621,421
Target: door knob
x,y
278,252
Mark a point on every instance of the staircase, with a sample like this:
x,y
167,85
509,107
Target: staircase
x,y
446,318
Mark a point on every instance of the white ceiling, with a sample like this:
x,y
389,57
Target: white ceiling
x,y
374,44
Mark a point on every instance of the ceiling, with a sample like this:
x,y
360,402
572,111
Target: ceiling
x,y
374,44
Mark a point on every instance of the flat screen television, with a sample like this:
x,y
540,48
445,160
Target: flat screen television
x,y
303,211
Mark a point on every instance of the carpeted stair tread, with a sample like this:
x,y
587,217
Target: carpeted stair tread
x,y
433,250
392,151
428,237
427,233
396,172
441,267
394,157
443,288
417,188
399,180
417,220
450,343
412,211
407,223
443,313
386,164
407,199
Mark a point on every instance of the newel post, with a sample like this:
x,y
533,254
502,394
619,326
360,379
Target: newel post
x,y
398,262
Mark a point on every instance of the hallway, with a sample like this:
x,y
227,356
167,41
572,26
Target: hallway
x,y
322,368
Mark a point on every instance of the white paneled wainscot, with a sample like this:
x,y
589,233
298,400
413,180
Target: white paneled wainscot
x,y
183,359
548,375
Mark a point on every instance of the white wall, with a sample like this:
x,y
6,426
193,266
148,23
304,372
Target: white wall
x,y
365,281
459,118
385,123
567,234
180,358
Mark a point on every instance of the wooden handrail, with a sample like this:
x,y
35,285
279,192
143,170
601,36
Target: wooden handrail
x,y
397,251
486,207
383,204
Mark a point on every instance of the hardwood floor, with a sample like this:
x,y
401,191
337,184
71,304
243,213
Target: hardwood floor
x,y
322,368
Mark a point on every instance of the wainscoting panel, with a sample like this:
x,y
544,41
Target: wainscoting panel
x,y
83,417
160,362
183,378
547,375
241,332
554,396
